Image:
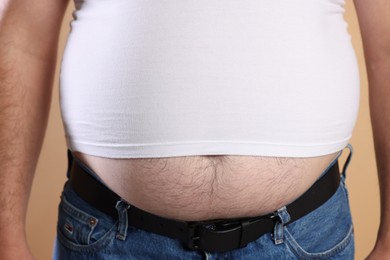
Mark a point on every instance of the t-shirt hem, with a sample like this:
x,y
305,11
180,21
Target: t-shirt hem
x,y
207,148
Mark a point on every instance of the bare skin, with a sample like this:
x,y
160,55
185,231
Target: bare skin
x,y
28,47
29,35
207,187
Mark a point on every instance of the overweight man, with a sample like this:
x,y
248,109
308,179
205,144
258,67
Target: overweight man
x,y
199,129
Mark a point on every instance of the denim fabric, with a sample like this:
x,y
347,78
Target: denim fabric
x,y
86,233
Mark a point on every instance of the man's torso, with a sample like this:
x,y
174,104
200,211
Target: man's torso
x,y
209,109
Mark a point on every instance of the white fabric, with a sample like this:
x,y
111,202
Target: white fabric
x,y
160,78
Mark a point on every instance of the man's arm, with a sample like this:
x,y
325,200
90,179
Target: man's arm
x,y
374,20
29,33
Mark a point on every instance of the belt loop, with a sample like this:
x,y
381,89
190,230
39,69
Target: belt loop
x,y
70,161
284,218
122,207
346,164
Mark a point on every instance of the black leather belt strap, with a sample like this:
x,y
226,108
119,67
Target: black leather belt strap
x,y
212,236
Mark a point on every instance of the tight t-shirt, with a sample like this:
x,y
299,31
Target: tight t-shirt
x,y
147,78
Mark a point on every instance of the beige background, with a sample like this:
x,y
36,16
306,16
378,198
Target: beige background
x,y
50,174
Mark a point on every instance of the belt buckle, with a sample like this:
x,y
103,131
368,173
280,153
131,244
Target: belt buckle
x,y
222,236
213,236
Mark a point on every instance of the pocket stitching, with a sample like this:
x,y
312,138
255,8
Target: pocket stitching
x,y
300,252
83,217
95,246
76,212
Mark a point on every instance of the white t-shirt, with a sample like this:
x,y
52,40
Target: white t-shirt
x,y
147,78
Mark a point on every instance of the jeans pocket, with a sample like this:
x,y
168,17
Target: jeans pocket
x,y
325,233
80,227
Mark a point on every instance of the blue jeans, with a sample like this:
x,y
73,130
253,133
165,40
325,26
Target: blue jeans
x,y
86,233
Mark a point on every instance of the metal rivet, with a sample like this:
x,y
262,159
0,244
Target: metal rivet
x,y
92,221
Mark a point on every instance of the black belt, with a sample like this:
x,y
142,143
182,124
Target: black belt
x,y
212,236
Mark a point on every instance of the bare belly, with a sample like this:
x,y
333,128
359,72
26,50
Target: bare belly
x,y
208,187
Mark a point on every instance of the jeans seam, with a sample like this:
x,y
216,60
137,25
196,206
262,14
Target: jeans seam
x,y
302,253
77,213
